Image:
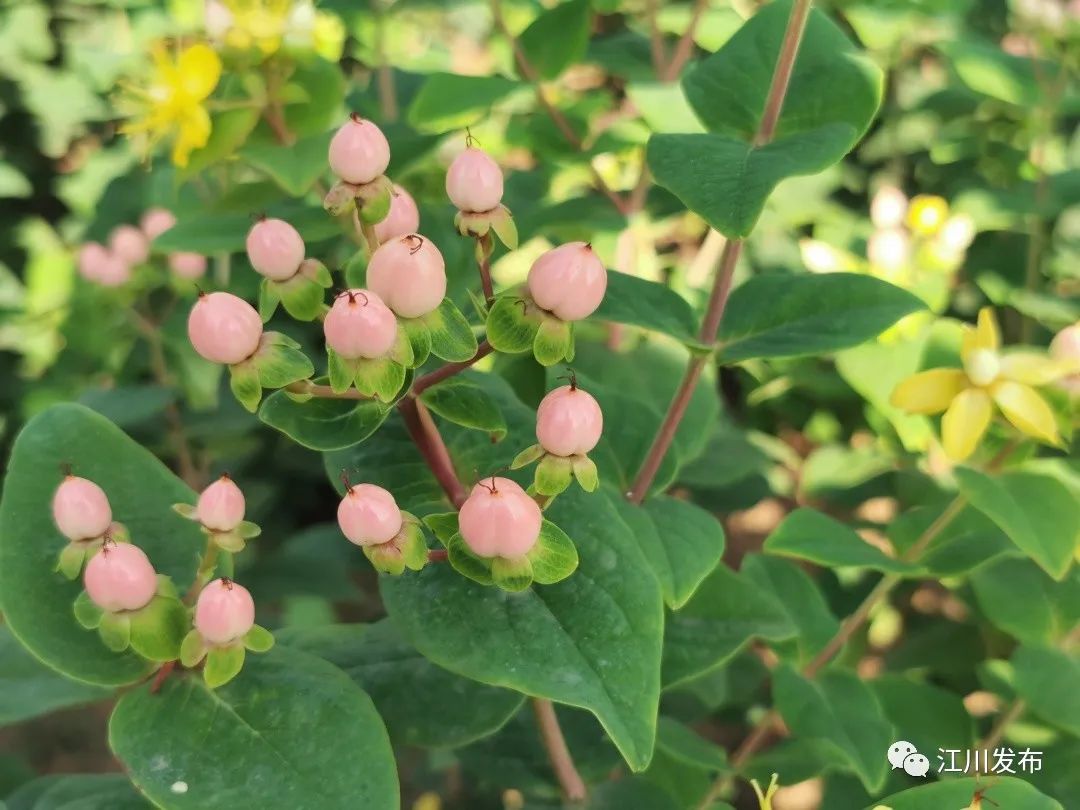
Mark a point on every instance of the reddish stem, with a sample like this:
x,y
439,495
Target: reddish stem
x,y
426,436
449,370
160,676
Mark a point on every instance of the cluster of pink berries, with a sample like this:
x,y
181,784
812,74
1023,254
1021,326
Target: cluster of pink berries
x,y
129,247
120,581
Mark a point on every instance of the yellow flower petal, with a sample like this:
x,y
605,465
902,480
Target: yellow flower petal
x,y
1028,411
929,391
988,336
193,134
965,423
199,70
1033,368
926,214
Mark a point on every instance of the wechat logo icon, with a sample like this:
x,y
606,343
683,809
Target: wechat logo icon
x,y
904,755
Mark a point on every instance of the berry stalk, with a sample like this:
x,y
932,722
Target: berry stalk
x,y
449,370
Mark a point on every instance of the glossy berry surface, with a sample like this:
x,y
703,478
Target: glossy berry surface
x,y
275,249
156,221
221,505
224,612
80,509
403,218
188,266
359,151
368,515
224,328
569,421
499,519
409,274
569,281
120,577
360,325
129,244
474,181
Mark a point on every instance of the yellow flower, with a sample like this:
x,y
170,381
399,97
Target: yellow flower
x,y
172,102
988,378
927,214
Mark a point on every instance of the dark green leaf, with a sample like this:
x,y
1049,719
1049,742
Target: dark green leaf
x,y
925,715
297,167
463,403
647,304
811,535
110,791
449,101
323,423
1022,599
1005,791
557,38
1046,678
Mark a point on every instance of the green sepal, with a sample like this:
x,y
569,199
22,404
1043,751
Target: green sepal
x,y
413,545
228,541
553,474
341,372
71,559
526,457
223,664
166,587
340,199
117,532
381,378
280,361
466,563
512,323
192,649
419,338
268,299
471,223
554,557
244,382
444,526
158,630
246,529
585,473
386,558
115,631
185,510
512,575
258,639
302,295
452,337
554,341
87,613
373,200
502,222
401,352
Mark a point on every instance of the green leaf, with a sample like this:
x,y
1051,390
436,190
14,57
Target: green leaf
x,y
448,101
724,614
791,316
681,541
1046,678
1036,511
1004,791
229,130
725,176
1021,599
841,709
591,641
421,703
323,423
466,404
274,720
807,534
925,715
297,167
452,338
110,791
557,38
36,601
987,69
647,304
321,86
688,747
210,232
32,689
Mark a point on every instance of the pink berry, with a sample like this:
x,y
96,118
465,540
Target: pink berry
x,y
80,509
474,181
224,328
155,222
275,249
569,281
187,265
404,217
1065,347
129,244
499,519
221,505
409,274
358,151
120,577
569,421
368,515
360,325
99,265
224,612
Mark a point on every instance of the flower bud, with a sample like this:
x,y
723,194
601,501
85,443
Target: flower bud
x,y
129,244
224,328
568,281
359,151
360,325
275,249
474,181
409,274
120,577
888,207
224,612
155,222
189,266
80,509
221,505
499,519
403,218
569,421
368,515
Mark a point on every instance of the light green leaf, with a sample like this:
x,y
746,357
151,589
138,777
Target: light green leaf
x,y
229,130
297,167
323,423
36,601
811,535
557,38
449,333
448,101
272,721
986,68
1046,678
1004,791
466,404
1021,599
